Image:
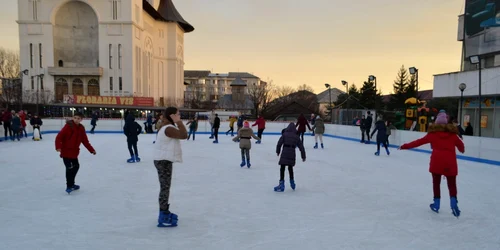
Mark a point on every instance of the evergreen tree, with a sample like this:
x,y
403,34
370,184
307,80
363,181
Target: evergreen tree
x,y
411,87
370,98
400,86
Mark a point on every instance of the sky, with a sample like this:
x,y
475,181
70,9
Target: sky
x,y
294,42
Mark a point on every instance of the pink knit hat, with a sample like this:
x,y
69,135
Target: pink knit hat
x,y
246,124
441,118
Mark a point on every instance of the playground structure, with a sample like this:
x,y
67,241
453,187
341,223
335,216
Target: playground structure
x,y
418,115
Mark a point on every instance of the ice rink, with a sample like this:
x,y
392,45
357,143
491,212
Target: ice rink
x,y
346,198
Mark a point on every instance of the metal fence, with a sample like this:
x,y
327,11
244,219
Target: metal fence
x,y
347,116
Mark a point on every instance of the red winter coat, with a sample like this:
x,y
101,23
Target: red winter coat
x,y
260,122
69,139
443,139
301,124
22,115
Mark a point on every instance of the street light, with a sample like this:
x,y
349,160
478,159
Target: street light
x,y
372,78
477,60
329,87
462,87
24,72
346,84
414,71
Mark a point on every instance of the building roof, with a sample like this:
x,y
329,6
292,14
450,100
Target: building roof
x,y
241,74
196,73
238,82
424,95
324,97
167,12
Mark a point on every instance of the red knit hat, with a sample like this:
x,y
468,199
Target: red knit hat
x,y
246,124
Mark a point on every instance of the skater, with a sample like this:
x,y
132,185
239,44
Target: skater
x,y
68,142
301,124
232,120
319,130
390,127
444,139
7,119
16,127
93,122
362,124
36,123
193,127
132,130
381,135
261,125
168,151
240,121
22,116
215,128
312,121
211,121
289,141
368,126
244,136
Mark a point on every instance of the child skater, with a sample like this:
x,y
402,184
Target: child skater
x,y
318,130
193,126
289,141
443,138
68,145
132,130
381,135
244,136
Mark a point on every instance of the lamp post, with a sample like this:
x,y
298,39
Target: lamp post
x,y
346,84
329,87
462,87
38,77
372,78
24,72
477,60
414,71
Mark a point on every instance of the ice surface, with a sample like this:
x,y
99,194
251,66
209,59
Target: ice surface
x,y
346,198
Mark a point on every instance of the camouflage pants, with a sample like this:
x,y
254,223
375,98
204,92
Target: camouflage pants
x,y
245,152
165,177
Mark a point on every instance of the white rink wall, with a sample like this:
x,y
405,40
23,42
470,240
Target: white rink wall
x,y
486,150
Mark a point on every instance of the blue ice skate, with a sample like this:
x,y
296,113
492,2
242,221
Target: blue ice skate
x,y
377,153
322,145
387,151
216,141
292,184
167,219
315,145
137,159
280,187
243,163
73,188
131,160
435,206
454,207
248,164
258,142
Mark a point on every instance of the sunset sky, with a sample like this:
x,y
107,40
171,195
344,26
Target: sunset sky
x,y
294,42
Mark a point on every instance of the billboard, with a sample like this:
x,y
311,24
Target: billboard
x,y
482,27
109,100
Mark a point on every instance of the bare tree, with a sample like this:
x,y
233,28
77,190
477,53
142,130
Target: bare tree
x,y
305,87
9,63
283,91
10,89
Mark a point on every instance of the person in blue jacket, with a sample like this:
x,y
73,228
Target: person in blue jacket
x,y
381,130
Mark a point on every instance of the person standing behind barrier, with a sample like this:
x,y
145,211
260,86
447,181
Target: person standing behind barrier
x,y
362,125
368,126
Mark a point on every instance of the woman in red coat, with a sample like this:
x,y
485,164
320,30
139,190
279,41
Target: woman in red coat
x,y
301,126
68,144
443,138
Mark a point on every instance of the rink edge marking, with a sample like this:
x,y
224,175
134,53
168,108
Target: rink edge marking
x,y
461,157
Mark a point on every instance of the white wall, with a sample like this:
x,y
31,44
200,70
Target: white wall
x,y
475,147
446,85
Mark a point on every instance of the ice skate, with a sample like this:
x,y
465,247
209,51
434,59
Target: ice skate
x,y
322,145
292,184
137,159
167,219
316,145
131,160
435,206
454,206
280,187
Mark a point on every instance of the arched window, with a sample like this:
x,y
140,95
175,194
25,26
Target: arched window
x,y
61,89
77,86
60,63
93,87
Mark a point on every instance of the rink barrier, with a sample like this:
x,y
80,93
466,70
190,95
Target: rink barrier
x,y
478,149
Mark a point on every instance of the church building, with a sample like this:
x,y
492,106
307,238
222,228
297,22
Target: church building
x,y
120,48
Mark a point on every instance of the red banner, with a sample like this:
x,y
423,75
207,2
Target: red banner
x,y
109,100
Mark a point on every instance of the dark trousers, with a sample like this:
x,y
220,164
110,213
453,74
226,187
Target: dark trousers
x,y
92,130
282,172
245,152
16,134
231,129
381,142
23,129
191,132
132,144
164,169
387,140
259,133
6,127
72,167
436,185
367,131
363,135
216,134
301,135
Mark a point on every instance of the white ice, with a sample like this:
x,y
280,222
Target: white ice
x,y
346,198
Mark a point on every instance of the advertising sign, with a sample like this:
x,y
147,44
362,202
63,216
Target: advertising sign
x,y
482,22
109,100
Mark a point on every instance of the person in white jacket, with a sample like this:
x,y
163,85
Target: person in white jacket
x,y
168,151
